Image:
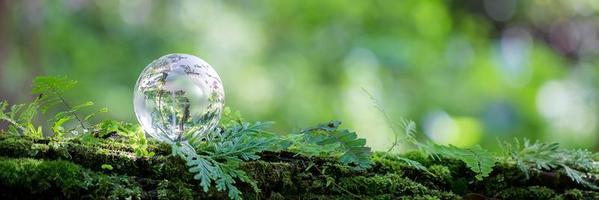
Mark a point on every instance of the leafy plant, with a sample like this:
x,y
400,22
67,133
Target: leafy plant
x,y
132,134
51,90
404,132
477,159
544,157
20,118
106,167
218,160
326,139
215,157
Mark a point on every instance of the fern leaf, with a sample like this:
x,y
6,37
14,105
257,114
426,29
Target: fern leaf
x,y
102,110
51,89
355,152
326,139
579,177
57,126
414,164
20,118
541,156
202,169
477,159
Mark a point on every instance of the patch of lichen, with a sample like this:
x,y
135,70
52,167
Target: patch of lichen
x,y
72,169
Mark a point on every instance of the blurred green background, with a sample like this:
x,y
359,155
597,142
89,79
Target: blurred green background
x,y
467,72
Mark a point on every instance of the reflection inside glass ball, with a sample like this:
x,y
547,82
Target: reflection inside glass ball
x,y
178,97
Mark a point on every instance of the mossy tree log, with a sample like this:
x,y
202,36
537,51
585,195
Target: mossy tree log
x,y
46,168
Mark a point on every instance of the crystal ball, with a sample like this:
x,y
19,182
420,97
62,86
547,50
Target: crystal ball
x,y
178,97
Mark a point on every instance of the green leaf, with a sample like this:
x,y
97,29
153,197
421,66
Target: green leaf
x,y
108,126
106,167
202,169
477,159
579,177
414,164
540,156
20,118
51,90
325,139
102,110
43,84
83,105
57,127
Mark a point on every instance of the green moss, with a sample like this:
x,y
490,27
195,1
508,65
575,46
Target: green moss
x,y
276,196
389,162
504,175
174,190
39,176
166,167
573,194
418,156
113,187
389,184
49,177
441,173
13,146
531,192
273,176
576,194
39,168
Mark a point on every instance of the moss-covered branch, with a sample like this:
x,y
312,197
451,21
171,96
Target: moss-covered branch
x,y
72,169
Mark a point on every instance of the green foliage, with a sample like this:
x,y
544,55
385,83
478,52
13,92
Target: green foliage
x,y
215,158
106,167
326,139
404,132
51,91
413,163
173,190
113,187
288,177
40,175
132,134
545,157
479,160
218,160
20,118
208,170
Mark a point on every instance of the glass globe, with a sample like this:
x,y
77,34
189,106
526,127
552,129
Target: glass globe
x,y
178,97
